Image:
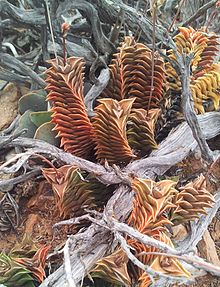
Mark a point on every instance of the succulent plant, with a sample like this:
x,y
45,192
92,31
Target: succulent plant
x,y
65,86
192,200
34,101
13,274
141,129
26,248
205,78
131,70
110,131
36,118
113,268
75,190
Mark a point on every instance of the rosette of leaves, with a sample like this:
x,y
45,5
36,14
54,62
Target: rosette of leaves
x,y
35,264
13,274
206,88
76,190
113,268
151,201
192,200
131,75
35,117
110,131
65,87
141,129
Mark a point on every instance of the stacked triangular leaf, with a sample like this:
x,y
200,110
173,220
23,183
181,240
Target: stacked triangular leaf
x,y
65,86
131,75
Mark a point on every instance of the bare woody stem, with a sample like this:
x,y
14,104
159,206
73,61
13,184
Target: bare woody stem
x,y
188,107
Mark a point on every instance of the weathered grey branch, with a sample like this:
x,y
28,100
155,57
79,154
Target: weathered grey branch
x,y
13,77
188,106
30,16
37,146
199,12
13,63
171,151
101,41
8,184
133,18
96,90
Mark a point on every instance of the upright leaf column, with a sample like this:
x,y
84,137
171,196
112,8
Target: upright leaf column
x,y
65,86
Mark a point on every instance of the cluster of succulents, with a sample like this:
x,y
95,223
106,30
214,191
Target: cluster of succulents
x,y
122,130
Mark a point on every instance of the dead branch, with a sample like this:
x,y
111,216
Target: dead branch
x,y
13,63
12,77
67,263
133,18
8,184
199,12
30,16
171,151
188,107
8,139
102,43
96,90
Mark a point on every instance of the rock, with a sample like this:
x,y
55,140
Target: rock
x,y
207,250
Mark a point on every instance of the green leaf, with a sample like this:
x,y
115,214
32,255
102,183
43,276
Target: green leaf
x,y
35,101
45,132
26,123
39,118
13,274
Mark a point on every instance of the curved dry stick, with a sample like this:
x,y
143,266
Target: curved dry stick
x,y
31,16
96,90
188,107
13,63
199,12
102,43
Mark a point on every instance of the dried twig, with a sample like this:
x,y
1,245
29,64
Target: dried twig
x,y
13,63
96,90
150,271
188,108
67,264
8,184
199,12
30,16
102,43
195,261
